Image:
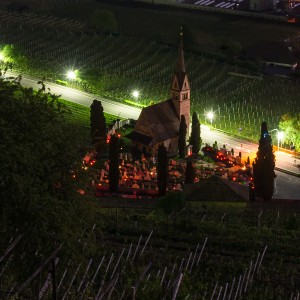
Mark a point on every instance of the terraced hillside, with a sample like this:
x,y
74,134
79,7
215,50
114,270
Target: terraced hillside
x,y
114,66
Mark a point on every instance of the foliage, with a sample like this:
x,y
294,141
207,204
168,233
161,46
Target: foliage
x,y
290,124
189,172
182,137
13,54
162,169
134,103
98,126
210,189
38,153
114,172
264,165
104,20
195,139
171,201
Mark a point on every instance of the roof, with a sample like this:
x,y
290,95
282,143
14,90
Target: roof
x,y
271,51
181,76
139,137
157,123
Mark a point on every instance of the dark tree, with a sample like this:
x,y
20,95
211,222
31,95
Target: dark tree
x,y
248,160
114,151
182,137
39,151
195,140
98,126
264,165
251,192
162,170
189,172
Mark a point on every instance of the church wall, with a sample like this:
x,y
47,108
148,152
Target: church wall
x,y
171,146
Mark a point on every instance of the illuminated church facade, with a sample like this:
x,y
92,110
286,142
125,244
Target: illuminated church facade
x,y
159,123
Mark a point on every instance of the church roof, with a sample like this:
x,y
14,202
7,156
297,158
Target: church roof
x,y
157,123
139,137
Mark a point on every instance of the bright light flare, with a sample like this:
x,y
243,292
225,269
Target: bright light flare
x,y
135,94
280,135
71,75
210,115
1,56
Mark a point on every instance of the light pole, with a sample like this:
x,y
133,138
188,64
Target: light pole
x,y
280,135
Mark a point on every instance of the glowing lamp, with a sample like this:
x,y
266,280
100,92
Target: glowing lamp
x,y
71,75
135,94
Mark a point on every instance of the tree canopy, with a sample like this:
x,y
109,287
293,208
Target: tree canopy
x,y
182,137
189,172
114,172
162,169
104,20
38,155
98,126
264,165
290,124
195,140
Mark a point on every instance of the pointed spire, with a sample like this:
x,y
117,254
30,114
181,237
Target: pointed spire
x,y
180,65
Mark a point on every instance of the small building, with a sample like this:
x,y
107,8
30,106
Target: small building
x,y
159,123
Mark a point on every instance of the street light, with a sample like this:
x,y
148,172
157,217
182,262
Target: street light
x,y
210,115
71,75
135,94
280,135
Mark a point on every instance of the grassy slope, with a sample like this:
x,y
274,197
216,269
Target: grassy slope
x,y
207,30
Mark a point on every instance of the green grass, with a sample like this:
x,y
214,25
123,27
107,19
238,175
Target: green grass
x,y
80,114
224,205
134,103
202,30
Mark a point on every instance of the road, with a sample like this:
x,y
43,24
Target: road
x,y
287,186
284,160
70,94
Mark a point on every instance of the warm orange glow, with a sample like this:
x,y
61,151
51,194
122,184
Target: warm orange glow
x,y
81,191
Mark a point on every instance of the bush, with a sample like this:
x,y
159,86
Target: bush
x,y
171,201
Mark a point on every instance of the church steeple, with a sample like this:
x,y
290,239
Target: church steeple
x,y
180,88
180,63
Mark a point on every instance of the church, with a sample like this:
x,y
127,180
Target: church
x,y
159,123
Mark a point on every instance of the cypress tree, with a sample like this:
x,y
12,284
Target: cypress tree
x,y
189,172
162,170
98,125
264,165
114,151
182,137
195,140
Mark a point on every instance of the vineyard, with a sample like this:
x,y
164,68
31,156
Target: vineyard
x,y
202,253
114,66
